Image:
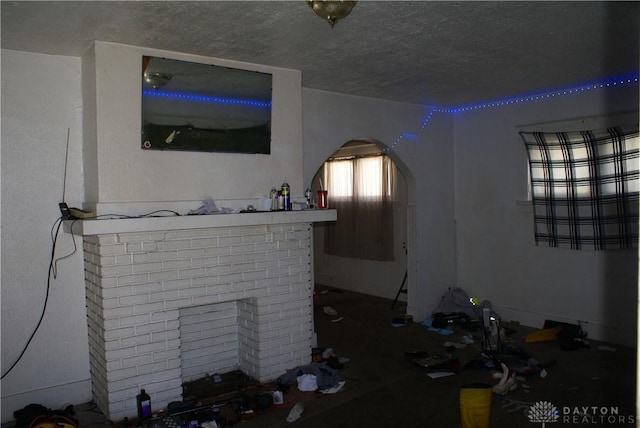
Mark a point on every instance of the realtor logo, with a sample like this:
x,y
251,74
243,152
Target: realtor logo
x,y
543,412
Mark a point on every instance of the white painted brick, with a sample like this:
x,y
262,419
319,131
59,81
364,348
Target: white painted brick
x,y
231,296
241,249
204,242
215,271
123,259
148,348
190,233
173,286
176,264
138,339
136,361
152,327
178,303
133,237
152,367
150,246
117,292
229,240
103,261
191,253
218,289
107,282
119,354
115,270
134,247
232,259
154,257
177,245
267,282
147,267
255,238
113,365
147,308
119,333
217,251
134,320
146,288
139,278
164,275
165,315
204,261
277,272
106,239
117,312
167,355
254,256
277,254
193,292
230,278
191,273
165,335
136,299
266,246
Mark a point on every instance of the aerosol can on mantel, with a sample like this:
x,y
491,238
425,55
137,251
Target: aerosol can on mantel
x,y
286,195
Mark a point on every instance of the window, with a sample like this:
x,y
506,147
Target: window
x,y
361,189
366,174
584,187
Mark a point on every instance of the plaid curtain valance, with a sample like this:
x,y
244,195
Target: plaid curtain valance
x,y
584,188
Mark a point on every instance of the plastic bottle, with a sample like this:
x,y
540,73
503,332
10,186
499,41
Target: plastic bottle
x,y
274,199
286,194
308,195
144,405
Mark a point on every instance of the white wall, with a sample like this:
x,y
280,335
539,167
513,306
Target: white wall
x,y
425,159
497,256
41,99
124,173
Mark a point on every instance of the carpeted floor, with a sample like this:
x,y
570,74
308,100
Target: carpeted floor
x,y
592,386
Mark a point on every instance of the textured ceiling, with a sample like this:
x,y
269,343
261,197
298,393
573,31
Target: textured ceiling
x,y
424,52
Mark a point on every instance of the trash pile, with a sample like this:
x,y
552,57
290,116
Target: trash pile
x,y
484,343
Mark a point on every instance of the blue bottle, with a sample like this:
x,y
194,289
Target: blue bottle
x,y
144,405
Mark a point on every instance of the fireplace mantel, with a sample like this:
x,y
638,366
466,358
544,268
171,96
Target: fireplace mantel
x,y
182,222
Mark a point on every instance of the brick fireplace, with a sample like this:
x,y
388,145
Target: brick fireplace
x,y
170,300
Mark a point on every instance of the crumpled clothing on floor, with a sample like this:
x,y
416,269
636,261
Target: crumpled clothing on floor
x,y
326,377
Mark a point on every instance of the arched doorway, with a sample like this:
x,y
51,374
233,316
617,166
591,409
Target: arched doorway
x,y
382,278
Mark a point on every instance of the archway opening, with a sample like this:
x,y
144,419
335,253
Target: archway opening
x,y
385,276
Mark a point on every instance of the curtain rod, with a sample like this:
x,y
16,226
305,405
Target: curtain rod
x,y
348,157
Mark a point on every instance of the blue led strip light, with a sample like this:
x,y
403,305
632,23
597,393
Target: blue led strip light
x,y
205,98
605,83
601,84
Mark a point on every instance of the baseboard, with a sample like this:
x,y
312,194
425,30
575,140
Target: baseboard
x,y
52,397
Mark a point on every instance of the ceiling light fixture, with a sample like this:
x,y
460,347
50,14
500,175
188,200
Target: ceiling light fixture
x,y
331,10
157,80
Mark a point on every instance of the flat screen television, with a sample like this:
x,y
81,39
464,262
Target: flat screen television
x,y
200,107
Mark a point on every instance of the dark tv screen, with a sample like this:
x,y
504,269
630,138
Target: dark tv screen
x,y
200,107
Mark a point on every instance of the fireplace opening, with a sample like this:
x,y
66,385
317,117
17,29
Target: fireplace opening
x,y
218,338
